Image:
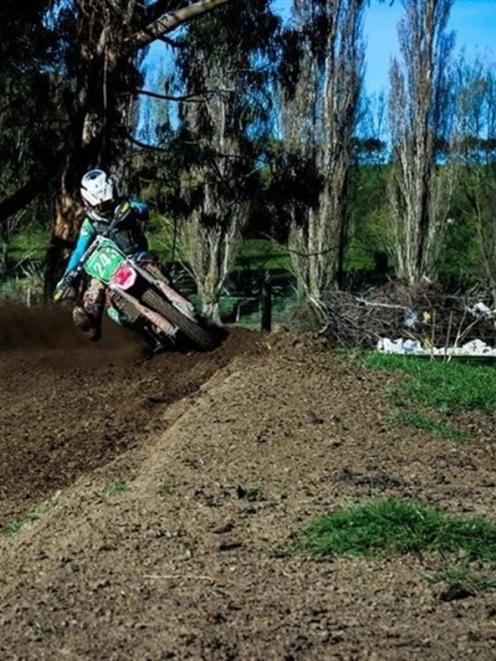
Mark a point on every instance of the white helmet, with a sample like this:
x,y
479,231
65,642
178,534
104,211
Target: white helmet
x,y
98,193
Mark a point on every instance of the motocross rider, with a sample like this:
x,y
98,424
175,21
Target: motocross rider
x,y
122,220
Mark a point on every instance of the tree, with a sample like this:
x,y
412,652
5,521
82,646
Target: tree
x,y
103,42
422,180
476,146
222,73
321,78
29,130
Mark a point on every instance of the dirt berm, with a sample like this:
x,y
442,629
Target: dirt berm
x,y
161,497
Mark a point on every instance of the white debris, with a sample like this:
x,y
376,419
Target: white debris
x,y
400,346
480,309
411,318
474,348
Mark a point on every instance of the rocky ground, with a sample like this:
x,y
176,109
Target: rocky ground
x,y
162,496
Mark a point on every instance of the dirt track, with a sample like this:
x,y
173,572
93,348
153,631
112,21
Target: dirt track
x,y
67,407
223,456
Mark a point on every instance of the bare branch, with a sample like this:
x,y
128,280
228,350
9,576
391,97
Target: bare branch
x,y
173,43
145,145
171,21
196,97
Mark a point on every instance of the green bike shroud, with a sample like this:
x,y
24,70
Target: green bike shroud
x,y
104,262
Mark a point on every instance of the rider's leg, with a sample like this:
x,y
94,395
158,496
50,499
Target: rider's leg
x,y
88,317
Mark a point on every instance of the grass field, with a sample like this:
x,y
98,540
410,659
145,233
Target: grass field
x,y
428,393
442,386
439,385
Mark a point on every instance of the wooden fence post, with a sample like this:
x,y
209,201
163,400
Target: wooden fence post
x,y
266,302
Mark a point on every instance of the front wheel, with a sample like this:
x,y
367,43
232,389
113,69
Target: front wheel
x,y
193,331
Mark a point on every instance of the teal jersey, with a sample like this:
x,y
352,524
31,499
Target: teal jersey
x,y
134,214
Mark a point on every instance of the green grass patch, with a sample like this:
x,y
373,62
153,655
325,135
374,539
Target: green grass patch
x,y
43,629
165,489
433,427
281,309
475,582
398,527
15,526
442,386
117,487
111,490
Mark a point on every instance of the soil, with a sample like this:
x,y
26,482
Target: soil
x,y
165,493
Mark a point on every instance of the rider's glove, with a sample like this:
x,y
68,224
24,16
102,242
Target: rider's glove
x,y
63,285
59,291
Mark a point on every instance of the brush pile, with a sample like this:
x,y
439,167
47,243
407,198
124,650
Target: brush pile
x,y
423,315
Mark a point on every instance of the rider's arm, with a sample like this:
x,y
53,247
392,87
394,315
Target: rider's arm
x,y
131,210
86,234
141,209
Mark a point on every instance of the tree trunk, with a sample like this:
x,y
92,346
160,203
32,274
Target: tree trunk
x,y
65,228
319,116
210,308
419,116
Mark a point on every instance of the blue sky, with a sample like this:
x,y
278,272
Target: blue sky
x,y
474,22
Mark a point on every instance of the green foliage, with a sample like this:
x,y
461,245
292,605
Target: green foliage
x,y
281,309
29,244
45,47
161,239
370,217
255,255
461,261
446,387
433,427
32,112
262,255
398,527
26,286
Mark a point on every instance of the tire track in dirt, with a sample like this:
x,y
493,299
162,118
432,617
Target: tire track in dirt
x,y
67,406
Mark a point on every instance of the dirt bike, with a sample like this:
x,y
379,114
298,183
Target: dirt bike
x,y
139,296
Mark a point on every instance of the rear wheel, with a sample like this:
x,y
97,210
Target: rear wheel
x,y
191,329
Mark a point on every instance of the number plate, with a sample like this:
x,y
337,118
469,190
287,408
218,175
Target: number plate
x,y
105,261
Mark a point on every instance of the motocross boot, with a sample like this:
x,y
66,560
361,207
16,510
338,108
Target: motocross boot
x,y
86,324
